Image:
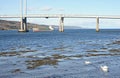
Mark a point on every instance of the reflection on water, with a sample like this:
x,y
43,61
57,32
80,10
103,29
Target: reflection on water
x,y
26,53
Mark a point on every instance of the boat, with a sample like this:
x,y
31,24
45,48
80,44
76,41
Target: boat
x,y
36,29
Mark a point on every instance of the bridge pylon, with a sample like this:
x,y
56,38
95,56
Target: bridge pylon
x,y
23,27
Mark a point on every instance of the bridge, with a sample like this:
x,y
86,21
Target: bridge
x,y
24,16
23,27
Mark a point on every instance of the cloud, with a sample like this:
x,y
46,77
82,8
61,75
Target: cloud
x,y
61,9
80,22
110,23
46,8
32,9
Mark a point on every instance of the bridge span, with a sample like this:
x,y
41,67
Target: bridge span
x,y
23,27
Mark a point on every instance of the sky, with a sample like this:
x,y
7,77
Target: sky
x,y
84,7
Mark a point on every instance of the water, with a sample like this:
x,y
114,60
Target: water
x,y
36,54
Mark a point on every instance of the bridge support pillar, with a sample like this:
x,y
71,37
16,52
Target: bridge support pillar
x,y
61,26
25,24
23,27
97,24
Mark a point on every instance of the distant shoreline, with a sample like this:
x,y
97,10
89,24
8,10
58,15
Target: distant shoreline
x,y
15,25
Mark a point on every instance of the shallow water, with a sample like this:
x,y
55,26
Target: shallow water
x,y
59,54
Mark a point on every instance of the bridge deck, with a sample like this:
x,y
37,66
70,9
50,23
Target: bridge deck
x,y
62,15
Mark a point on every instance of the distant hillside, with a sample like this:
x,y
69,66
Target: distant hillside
x,y
10,25
72,27
68,27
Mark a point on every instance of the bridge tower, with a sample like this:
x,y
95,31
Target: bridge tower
x,y
23,26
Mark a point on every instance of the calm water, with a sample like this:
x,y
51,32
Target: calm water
x,y
71,48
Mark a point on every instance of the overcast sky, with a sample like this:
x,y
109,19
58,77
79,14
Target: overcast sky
x,y
91,7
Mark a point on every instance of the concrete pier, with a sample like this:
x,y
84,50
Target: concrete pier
x,y
61,26
97,24
25,24
23,27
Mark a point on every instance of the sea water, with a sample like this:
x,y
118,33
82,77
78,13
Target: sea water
x,y
54,54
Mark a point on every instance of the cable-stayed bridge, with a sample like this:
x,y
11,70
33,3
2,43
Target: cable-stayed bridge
x,y
23,27
23,15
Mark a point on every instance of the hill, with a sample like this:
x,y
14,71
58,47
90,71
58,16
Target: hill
x,y
11,25
68,27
